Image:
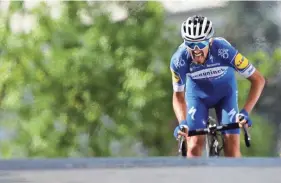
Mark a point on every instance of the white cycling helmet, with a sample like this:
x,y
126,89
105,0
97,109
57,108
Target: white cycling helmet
x,y
197,28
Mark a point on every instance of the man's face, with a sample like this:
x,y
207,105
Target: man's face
x,y
198,51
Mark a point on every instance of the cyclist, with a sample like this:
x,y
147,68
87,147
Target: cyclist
x,y
203,75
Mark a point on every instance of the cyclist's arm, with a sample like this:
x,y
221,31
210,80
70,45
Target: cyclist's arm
x,y
247,70
179,104
257,84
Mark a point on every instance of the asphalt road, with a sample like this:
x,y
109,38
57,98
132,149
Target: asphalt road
x,y
142,170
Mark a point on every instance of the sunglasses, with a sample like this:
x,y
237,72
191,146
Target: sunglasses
x,y
199,45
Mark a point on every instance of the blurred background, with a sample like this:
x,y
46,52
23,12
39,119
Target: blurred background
x,y
84,79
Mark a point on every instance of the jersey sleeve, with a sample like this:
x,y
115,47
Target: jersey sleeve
x,y
236,60
178,75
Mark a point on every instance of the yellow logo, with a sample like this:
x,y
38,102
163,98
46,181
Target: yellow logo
x,y
175,77
241,62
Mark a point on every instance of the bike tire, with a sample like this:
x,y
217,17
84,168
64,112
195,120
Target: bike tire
x,y
215,151
210,141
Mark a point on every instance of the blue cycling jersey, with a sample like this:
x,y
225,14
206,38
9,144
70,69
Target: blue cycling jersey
x,y
211,85
215,77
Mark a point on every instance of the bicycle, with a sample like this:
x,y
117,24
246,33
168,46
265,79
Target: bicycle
x,y
213,131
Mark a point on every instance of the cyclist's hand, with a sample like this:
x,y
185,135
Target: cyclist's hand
x,y
178,132
243,118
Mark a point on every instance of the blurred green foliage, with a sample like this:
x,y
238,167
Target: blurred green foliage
x,y
263,131
98,89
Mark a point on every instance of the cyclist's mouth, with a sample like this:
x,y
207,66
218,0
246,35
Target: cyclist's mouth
x,y
197,54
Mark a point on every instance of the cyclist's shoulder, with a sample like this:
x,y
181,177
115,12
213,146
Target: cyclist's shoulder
x,y
180,57
222,49
220,42
180,52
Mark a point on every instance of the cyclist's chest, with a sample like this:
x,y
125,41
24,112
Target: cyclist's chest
x,y
212,70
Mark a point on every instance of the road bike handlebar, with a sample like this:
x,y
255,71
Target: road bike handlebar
x,y
213,128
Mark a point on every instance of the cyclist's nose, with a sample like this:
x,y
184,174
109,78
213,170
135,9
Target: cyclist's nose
x,y
197,50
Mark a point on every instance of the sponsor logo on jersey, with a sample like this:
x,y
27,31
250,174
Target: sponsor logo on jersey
x,y
212,65
175,77
248,71
211,58
251,70
240,61
211,73
223,53
179,63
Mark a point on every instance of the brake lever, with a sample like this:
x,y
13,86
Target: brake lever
x,y
181,141
180,144
247,137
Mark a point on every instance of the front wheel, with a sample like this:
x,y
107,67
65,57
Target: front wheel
x,y
214,145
